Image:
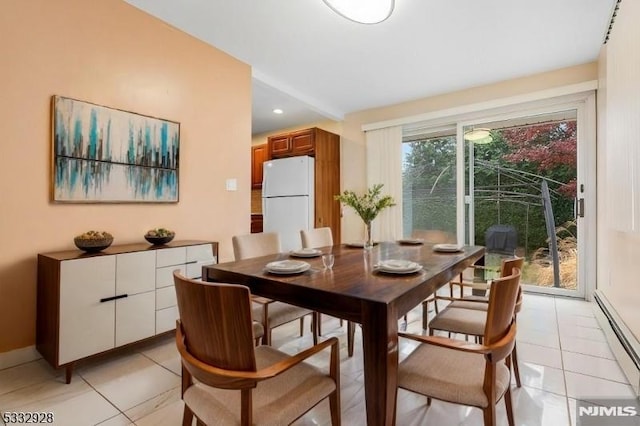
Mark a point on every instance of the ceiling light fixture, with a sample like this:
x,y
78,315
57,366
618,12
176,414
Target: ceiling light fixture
x,y
278,111
362,11
479,135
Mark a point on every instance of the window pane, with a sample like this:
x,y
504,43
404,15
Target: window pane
x,y
429,188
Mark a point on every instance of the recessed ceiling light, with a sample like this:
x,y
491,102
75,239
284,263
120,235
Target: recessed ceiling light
x,y
277,111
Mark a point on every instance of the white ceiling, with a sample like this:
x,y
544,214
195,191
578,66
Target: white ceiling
x,y
313,63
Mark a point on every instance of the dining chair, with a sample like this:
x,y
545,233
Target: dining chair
x,y
501,242
322,237
469,316
235,382
317,237
467,373
479,287
432,236
270,313
506,266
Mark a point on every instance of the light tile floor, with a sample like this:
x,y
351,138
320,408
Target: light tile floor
x,y
563,357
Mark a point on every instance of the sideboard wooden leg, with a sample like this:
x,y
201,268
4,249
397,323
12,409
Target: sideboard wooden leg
x,y
68,372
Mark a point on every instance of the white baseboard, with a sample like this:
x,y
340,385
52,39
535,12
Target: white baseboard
x,y
622,342
18,356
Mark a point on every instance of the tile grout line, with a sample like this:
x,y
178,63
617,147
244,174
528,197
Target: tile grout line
x,y
105,398
564,373
160,365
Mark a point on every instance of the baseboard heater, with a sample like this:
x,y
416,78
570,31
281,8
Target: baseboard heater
x,y
623,343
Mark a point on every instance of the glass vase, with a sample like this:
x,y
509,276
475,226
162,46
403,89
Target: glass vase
x,y
368,240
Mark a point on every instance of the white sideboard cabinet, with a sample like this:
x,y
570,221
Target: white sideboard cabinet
x,y
93,303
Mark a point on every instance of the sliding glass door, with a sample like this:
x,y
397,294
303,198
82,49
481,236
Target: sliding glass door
x,y
521,179
518,183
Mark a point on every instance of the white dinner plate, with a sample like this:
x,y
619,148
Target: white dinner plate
x,y
287,267
447,248
306,252
394,266
411,241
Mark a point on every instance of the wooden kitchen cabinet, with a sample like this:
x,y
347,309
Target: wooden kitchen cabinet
x,y
256,223
94,303
259,154
301,142
325,148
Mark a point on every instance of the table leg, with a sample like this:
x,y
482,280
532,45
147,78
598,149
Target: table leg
x,y
380,350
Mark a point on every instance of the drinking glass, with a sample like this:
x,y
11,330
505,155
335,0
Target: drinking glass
x,y
327,260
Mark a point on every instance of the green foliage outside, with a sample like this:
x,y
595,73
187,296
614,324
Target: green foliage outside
x,y
429,185
507,177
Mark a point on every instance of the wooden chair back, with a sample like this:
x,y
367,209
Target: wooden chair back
x,y
215,324
506,269
502,302
255,245
318,237
507,265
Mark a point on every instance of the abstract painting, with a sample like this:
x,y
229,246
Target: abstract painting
x,y
106,155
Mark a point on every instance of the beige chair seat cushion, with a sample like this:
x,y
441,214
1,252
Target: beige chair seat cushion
x,y
276,401
469,304
460,320
279,313
422,372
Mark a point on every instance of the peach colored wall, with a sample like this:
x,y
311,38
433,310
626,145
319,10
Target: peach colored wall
x,y
110,53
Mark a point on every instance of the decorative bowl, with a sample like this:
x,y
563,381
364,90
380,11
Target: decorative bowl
x,y
92,245
157,241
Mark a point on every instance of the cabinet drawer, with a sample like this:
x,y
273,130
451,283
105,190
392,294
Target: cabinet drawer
x,y
135,272
171,256
166,297
202,252
194,270
256,223
166,319
164,276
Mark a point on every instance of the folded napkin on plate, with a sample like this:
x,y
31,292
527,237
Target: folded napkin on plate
x,y
397,264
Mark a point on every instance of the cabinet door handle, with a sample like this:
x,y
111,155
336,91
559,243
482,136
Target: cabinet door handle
x,y
191,262
108,299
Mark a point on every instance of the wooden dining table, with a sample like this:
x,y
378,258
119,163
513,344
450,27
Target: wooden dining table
x,y
355,290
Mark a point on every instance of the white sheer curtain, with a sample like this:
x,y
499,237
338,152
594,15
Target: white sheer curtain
x,y
384,165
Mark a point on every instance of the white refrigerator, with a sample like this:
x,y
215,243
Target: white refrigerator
x,y
287,198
